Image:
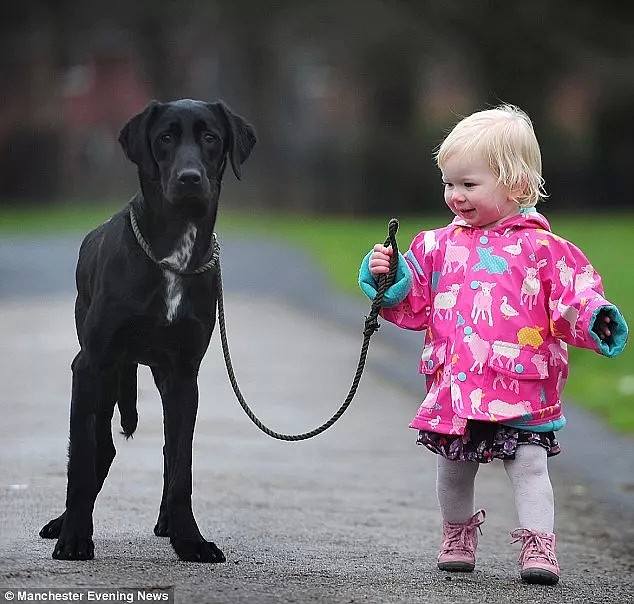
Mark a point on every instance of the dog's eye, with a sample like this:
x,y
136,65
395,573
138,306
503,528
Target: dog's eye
x,y
166,137
210,137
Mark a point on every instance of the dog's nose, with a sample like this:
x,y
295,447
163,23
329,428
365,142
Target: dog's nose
x,y
189,177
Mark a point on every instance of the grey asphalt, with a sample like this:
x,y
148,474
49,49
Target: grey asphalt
x,y
350,516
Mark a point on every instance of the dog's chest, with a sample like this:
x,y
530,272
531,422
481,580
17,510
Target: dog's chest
x,y
178,259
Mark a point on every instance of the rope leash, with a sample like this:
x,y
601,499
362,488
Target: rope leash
x,y
371,326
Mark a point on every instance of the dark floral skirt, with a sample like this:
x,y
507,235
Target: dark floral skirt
x,y
483,442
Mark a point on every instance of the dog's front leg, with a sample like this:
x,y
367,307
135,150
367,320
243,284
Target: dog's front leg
x,y
161,528
105,451
180,403
75,538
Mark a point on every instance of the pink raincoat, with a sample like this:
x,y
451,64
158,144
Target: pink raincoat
x,y
499,307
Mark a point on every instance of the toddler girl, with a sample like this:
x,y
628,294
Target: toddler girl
x,y
500,297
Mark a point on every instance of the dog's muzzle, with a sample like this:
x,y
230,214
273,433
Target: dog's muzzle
x,y
190,187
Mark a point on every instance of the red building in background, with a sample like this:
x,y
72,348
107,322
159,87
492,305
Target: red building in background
x,y
59,128
97,98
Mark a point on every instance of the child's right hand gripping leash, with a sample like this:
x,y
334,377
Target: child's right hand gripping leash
x,y
384,282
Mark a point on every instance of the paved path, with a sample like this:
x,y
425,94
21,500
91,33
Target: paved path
x,y
350,516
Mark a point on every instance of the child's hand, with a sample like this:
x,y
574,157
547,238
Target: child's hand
x,y
380,260
602,325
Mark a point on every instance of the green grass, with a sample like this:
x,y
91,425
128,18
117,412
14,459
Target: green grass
x,y
71,217
604,386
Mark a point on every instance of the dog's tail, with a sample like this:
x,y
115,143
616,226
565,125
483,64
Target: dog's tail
x,y
127,399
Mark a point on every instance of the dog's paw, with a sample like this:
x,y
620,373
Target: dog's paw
x,y
195,550
74,548
52,529
161,528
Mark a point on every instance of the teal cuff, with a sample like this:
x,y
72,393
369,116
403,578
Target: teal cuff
x,y
551,426
397,292
613,345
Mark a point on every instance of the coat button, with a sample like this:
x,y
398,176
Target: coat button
x,y
484,239
430,364
462,376
519,368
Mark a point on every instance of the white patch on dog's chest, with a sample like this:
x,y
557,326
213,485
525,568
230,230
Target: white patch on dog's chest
x,y
179,259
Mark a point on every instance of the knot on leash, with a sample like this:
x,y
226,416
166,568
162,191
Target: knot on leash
x,y
371,325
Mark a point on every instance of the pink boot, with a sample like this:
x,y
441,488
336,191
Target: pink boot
x,y
537,561
460,540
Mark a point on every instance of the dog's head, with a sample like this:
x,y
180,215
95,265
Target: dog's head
x,y
182,147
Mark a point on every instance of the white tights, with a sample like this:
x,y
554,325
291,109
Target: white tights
x,y
528,474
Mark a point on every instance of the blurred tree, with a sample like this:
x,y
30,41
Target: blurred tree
x,y
30,140
349,98
526,53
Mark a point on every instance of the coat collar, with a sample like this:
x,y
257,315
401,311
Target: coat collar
x,y
526,218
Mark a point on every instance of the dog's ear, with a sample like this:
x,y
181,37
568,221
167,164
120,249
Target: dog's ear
x,y
241,137
135,142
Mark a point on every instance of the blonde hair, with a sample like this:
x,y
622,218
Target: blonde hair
x,y
505,137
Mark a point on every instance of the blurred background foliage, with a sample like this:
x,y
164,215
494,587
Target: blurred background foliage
x,y
349,97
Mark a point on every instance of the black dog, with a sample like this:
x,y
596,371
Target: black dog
x,y
151,306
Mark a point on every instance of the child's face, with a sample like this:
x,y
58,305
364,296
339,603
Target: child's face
x,y
473,193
